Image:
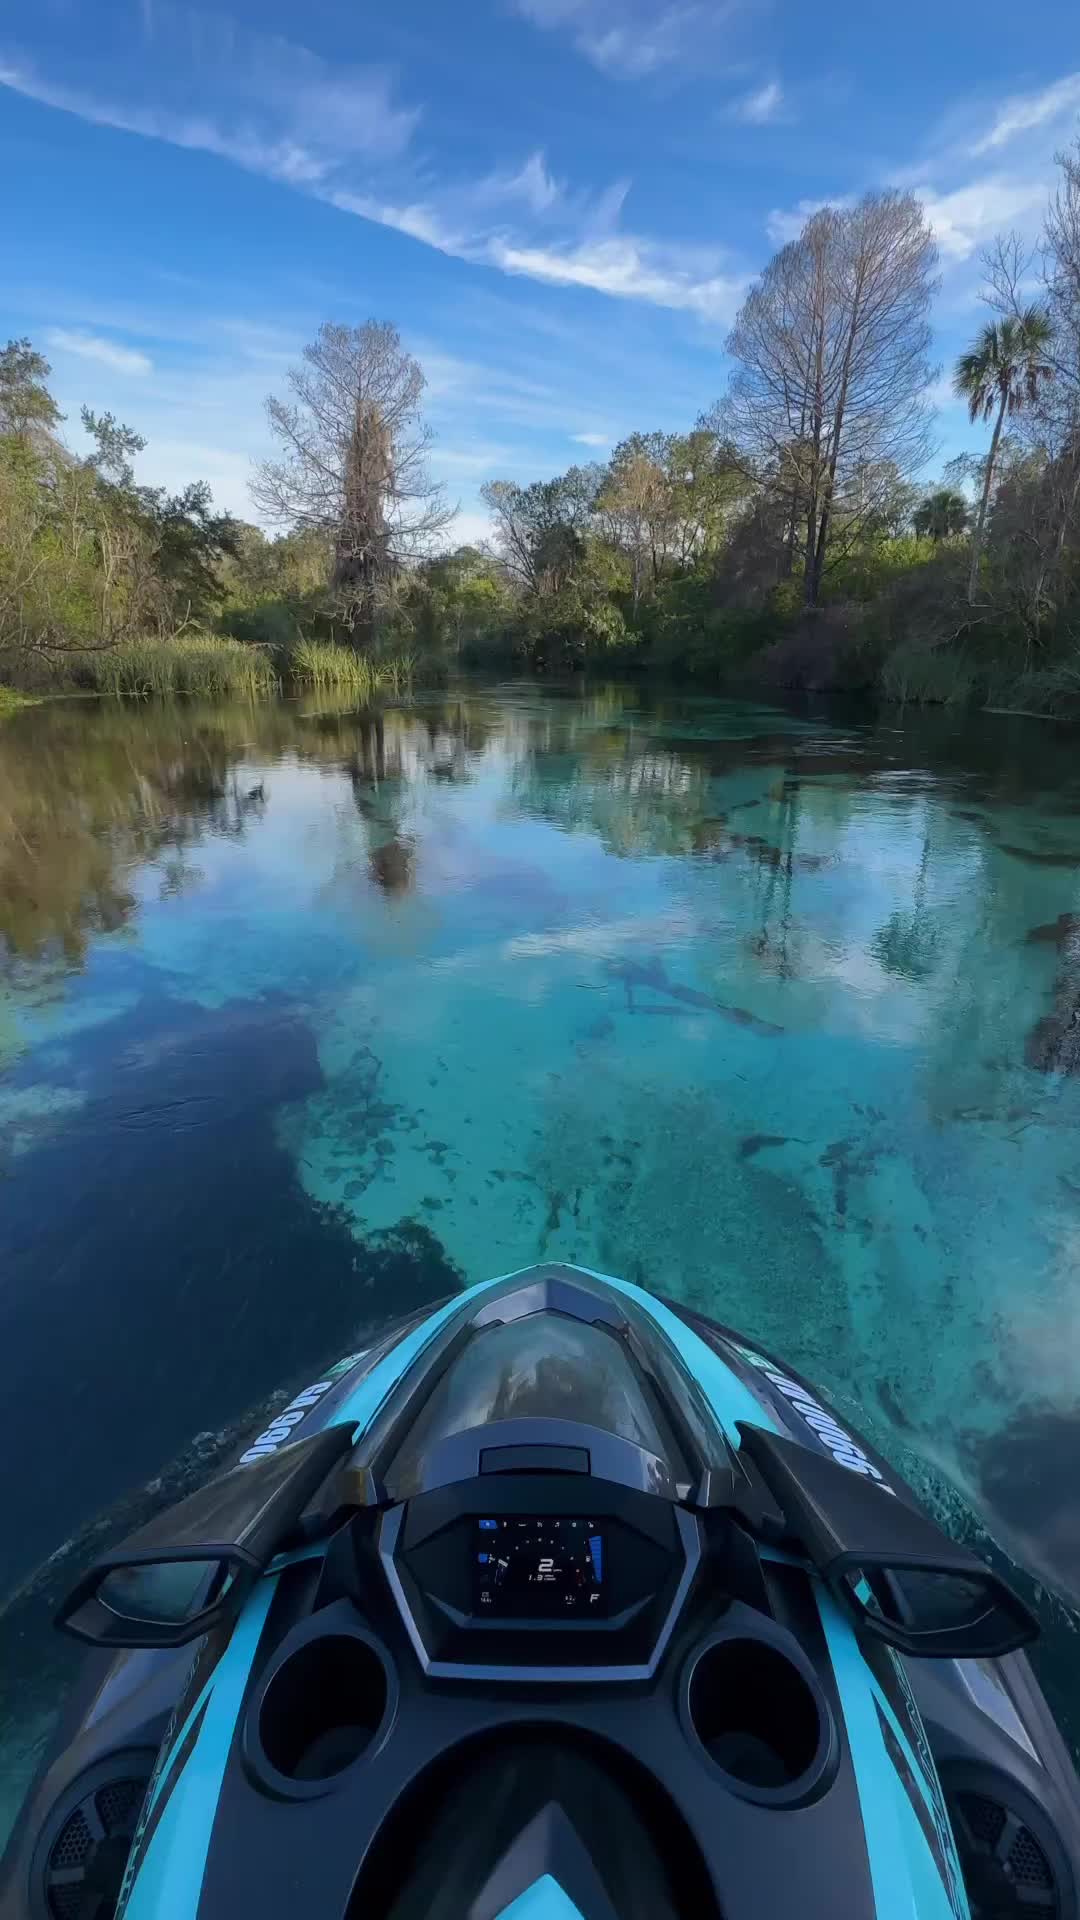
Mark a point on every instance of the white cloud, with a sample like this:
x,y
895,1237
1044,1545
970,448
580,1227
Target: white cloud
x,y
786,223
758,108
1025,111
631,38
91,346
627,268
963,219
967,218
592,439
467,529
621,265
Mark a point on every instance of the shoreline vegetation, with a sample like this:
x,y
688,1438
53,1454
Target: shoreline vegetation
x,y
788,539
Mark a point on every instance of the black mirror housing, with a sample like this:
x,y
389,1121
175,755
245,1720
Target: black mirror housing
x,y
883,1559
232,1528
226,1579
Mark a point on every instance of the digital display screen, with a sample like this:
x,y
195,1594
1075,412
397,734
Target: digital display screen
x,y
539,1568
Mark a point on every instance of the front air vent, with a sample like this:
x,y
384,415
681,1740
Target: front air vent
x,y
1007,1870
85,1864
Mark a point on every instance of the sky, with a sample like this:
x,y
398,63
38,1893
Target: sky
x,y
559,203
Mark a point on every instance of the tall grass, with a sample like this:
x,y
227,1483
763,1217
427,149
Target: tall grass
x,y
197,663
928,676
320,663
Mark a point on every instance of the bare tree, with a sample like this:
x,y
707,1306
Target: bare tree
x,y
831,348
540,529
354,462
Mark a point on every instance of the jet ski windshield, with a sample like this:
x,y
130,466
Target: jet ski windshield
x,y
543,1368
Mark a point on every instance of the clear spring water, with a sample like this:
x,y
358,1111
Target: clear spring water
x,y
307,1017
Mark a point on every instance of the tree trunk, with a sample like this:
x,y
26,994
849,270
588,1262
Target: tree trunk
x,y
829,488
980,524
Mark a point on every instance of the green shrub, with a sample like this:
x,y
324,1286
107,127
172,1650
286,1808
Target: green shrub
x,y
871,569
932,676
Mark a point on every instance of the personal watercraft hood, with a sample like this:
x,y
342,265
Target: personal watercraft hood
x,y
559,1601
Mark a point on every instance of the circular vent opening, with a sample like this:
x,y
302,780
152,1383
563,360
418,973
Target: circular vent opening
x,y
323,1707
755,1714
85,1866
1005,1867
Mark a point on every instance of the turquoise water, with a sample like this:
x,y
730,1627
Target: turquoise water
x,y
307,1017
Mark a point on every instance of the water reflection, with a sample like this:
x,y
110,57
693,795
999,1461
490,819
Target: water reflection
x,y
774,1014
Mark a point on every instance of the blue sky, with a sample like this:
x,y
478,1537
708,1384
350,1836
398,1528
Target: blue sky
x,y
559,202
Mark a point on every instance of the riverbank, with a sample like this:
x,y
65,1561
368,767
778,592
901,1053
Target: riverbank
x,y
10,701
210,666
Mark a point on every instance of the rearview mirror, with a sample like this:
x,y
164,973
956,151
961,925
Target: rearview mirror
x,y
934,1611
890,1566
194,1565
165,1592
144,1602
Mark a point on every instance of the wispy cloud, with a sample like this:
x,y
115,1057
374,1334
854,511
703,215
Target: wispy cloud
x,y
627,268
1023,112
91,346
757,108
255,99
629,38
339,136
967,218
591,439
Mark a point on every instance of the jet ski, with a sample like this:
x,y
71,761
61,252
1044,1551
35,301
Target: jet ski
x,y
559,1601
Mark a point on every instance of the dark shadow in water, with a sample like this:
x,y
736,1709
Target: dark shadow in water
x,y
1055,933
393,865
166,1238
654,976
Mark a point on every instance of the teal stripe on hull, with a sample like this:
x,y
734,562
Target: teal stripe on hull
x,y
903,1873
171,1874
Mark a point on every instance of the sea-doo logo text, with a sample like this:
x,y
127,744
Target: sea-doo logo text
x,y
280,1429
845,1451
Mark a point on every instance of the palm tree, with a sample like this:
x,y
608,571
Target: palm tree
x,y
1004,369
941,515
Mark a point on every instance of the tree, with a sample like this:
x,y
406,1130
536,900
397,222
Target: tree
x,y
667,498
831,365
353,463
637,505
540,529
941,515
25,400
1003,371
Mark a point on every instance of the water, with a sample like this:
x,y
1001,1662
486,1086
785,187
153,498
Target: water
x,y
307,1018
